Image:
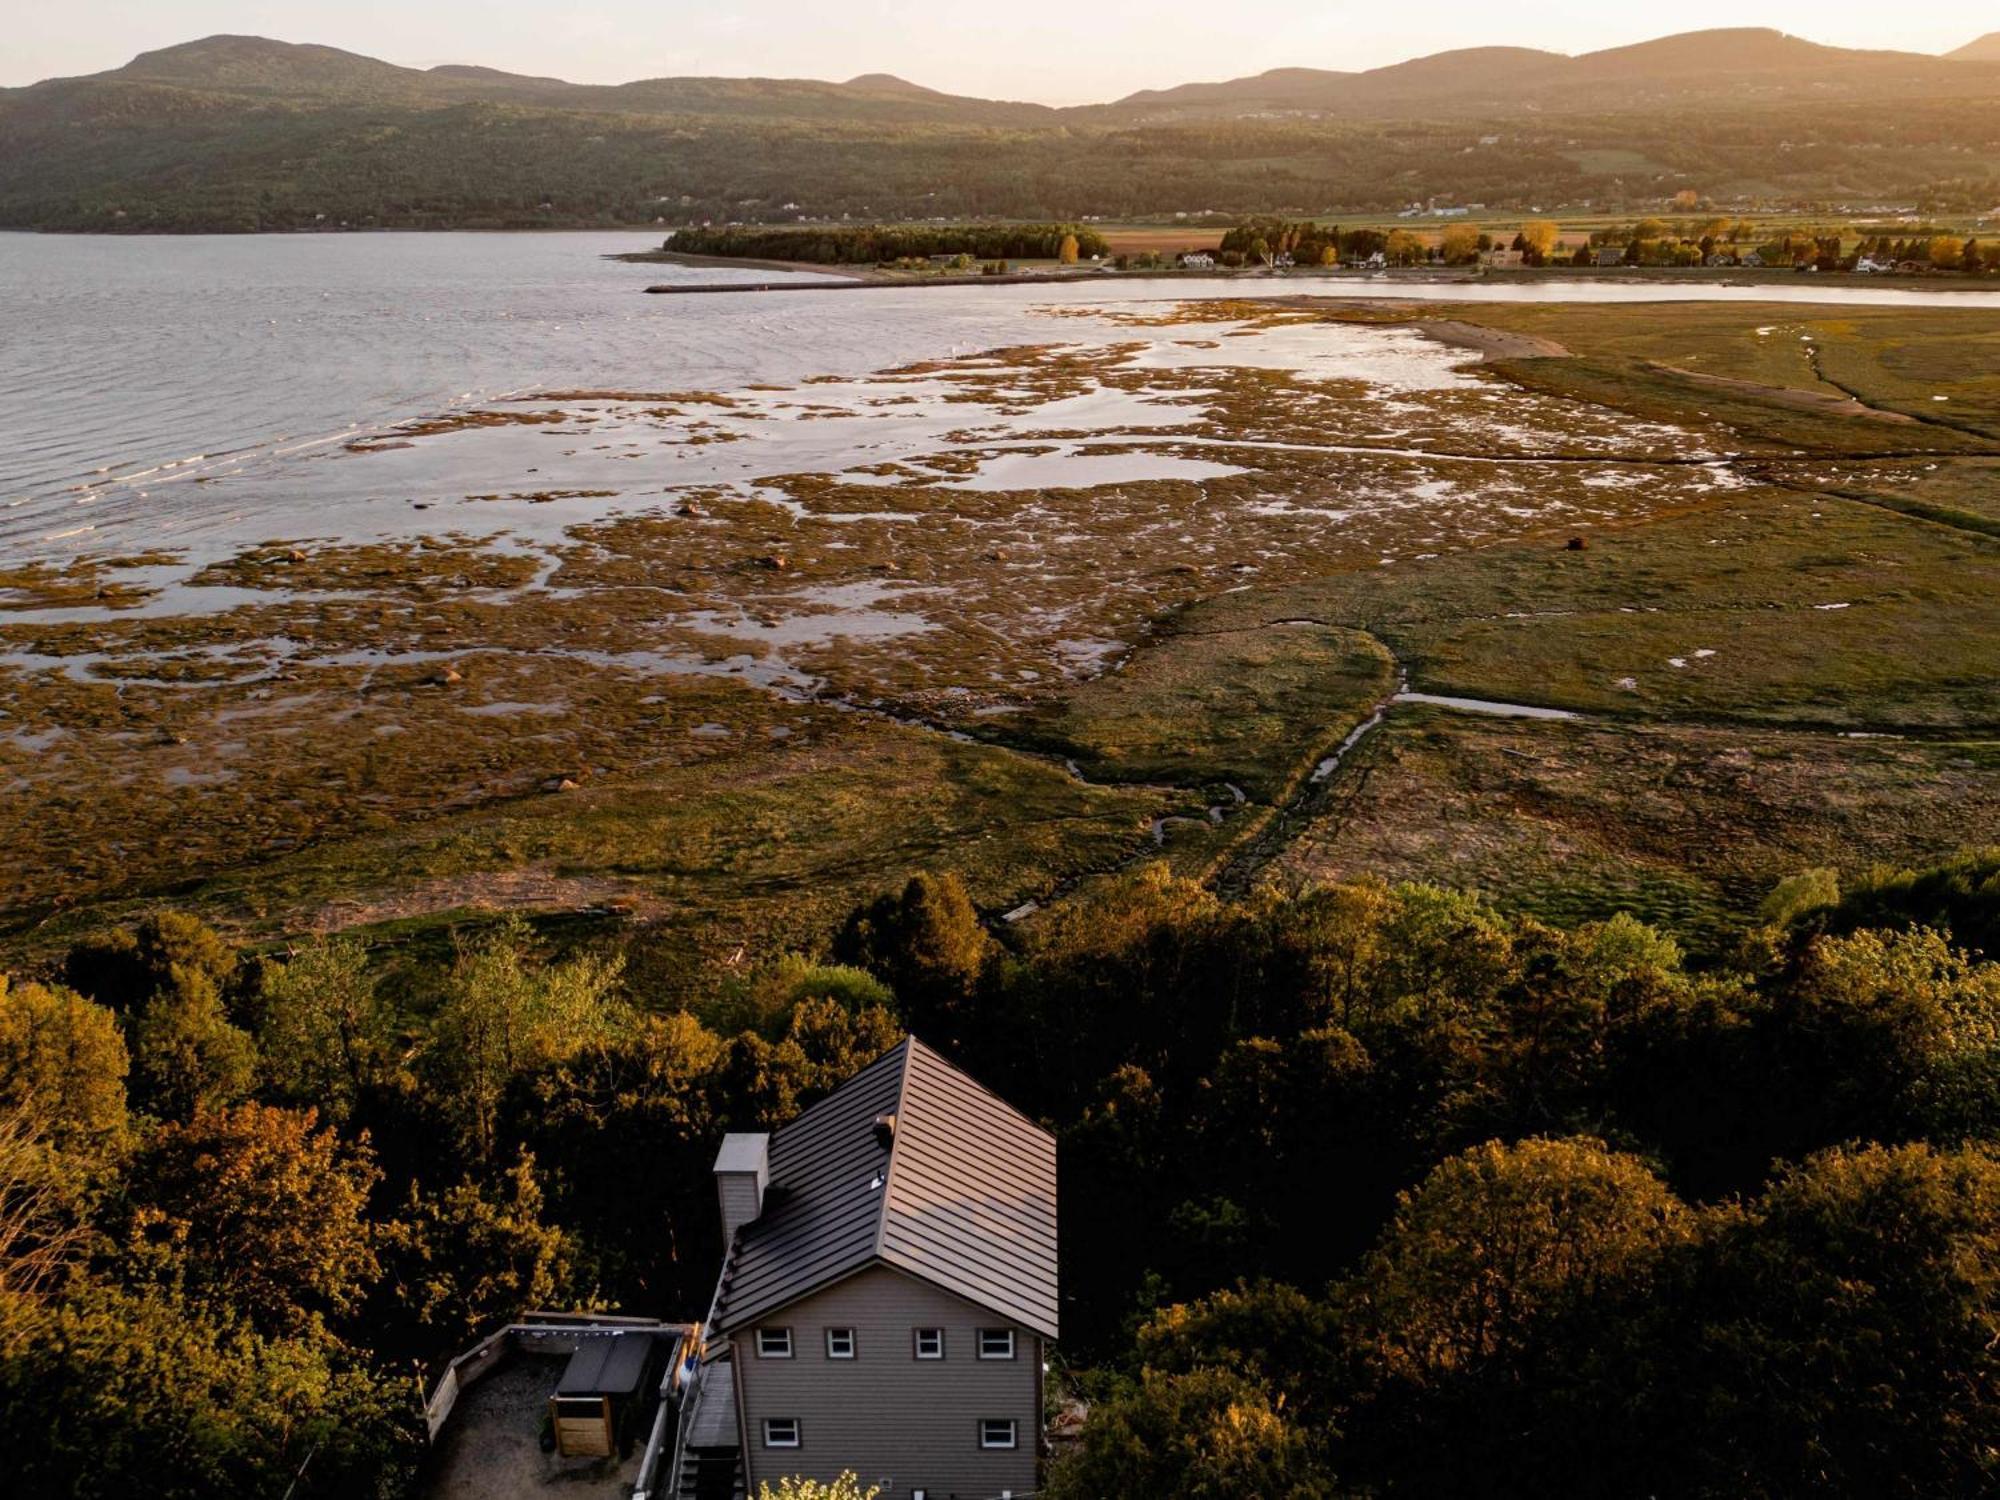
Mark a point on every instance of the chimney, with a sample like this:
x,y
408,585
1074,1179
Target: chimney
x,y
885,1130
742,1168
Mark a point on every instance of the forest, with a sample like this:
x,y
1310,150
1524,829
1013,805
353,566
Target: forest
x,y
1646,242
156,159
875,244
1367,1189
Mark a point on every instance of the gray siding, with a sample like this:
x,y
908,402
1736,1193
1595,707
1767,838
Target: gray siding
x,y
896,1421
740,1195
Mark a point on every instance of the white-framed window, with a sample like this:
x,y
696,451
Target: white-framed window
x,y
840,1343
781,1432
997,1432
930,1343
996,1343
774,1343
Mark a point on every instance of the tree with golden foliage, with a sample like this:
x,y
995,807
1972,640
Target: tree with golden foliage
x,y
1540,237
1497,1240
264,1206
1403,248
1460,246
1208,1434
797,1487
1067,254
43,1233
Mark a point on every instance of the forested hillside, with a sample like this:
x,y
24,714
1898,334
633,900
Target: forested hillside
x,y
242,134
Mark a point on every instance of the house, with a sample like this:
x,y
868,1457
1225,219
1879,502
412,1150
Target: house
x,y
1609,255
1750,258
1198,260
1502,260
887,1297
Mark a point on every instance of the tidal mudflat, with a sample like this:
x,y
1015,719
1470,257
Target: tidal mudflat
x,y
1108,589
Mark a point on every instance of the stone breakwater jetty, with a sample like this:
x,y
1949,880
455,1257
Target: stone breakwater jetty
x,y
855,284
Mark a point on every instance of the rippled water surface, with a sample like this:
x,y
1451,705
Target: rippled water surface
x,y
122,355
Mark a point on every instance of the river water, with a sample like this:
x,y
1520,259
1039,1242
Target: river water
x,y
131,366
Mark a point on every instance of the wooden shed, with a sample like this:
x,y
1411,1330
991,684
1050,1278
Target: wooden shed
x,y
596,1405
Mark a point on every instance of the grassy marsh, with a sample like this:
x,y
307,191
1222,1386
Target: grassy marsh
x,y
709,709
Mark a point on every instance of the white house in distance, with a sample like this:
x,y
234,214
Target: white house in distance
x,y
887,1295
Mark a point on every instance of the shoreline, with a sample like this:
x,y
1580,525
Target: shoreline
x,y
1310,279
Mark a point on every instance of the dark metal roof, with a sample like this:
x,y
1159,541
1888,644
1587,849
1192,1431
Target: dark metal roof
x,y
963,1197
712,1417
610,1366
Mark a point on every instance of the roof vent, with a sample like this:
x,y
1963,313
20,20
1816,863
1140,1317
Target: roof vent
x,y
885,1130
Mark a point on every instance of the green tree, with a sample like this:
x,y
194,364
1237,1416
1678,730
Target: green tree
x,y
475,1256
625,1130
1840,1337
928,944
822,1047
502,1015
147,1392
62,1066
1959,896
1478,1315
322,1030
1210,1434
187,1054
765,1000
1290,1339
126,968
1889,1033
1800,896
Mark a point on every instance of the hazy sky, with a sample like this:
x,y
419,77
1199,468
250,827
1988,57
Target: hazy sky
x,y
1055,51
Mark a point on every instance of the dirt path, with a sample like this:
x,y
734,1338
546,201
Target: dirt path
x,y
1490,343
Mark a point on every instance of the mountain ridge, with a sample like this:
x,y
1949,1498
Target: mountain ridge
x,y
245,133
1684,65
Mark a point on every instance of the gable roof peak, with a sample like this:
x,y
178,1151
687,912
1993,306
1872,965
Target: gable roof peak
x,y
959,1191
